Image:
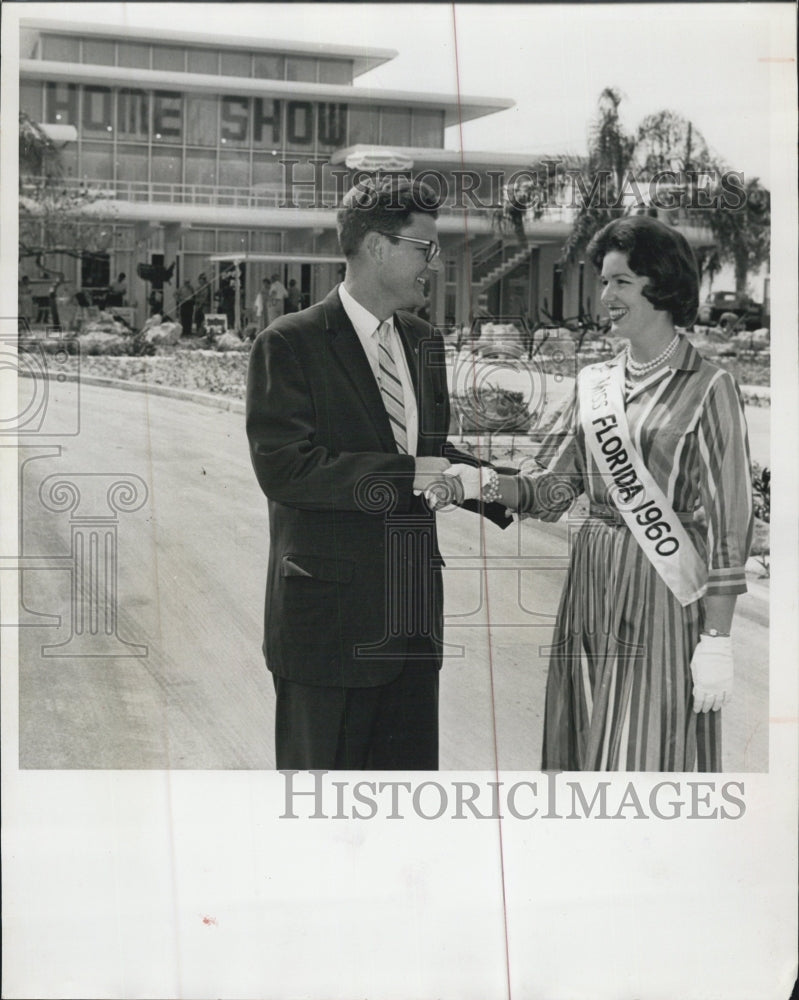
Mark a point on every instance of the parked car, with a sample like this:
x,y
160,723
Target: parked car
x,y
721,307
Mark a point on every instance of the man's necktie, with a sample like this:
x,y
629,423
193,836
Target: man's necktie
x,y
391,387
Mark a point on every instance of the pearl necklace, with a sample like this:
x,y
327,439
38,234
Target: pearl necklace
x,y
635,368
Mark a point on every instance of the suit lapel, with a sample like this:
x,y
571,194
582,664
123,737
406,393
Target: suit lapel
x,y
347,349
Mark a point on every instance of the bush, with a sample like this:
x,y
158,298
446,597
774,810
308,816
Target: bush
x,y
490,410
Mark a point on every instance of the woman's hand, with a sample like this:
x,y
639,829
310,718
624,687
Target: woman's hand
x,y
471,480
711,668
456,484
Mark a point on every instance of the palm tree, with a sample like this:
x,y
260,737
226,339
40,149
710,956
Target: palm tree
x,y
742,233
600,183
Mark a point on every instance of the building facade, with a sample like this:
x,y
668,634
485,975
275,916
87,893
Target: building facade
x,y
230,154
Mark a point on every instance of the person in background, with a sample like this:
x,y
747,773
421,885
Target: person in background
x,y
202,302
293,297
641,660
277,298
259,306
226,296
186,307
117,290
156,302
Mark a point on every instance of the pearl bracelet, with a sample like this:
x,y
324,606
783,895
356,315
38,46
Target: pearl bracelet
x,y
490,491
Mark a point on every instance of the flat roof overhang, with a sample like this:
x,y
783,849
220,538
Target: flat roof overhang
x,y
278,258
424,156
363,57
456,109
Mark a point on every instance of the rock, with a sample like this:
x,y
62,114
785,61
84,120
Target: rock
x,y
102,342
163,334
230,342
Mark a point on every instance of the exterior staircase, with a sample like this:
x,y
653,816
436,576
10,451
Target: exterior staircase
x,y
498,271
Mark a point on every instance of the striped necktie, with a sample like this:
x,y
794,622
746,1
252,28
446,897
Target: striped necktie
x,y
391,387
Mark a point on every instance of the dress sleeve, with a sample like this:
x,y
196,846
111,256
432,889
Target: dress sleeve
x,y
548,490
726,486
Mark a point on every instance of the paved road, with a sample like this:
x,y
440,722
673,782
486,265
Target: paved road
x,y
189,585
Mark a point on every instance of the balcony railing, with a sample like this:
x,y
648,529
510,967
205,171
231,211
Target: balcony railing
x,y
229,196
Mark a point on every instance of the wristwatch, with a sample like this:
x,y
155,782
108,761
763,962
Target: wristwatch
x,y
715,634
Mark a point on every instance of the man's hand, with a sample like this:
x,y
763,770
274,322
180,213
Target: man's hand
x,y
429,469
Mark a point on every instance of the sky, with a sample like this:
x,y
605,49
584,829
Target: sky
x,y
716,64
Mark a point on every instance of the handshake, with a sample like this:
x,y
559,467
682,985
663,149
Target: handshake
x,y
443,484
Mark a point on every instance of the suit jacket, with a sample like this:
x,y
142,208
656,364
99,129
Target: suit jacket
x,y
354,574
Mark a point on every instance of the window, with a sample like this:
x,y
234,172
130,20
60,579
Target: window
x,y
133,114
301,70
335,71
234,170
97,107
97,161
299,125
169,57
61,103
332,130
131,163
427,128
98,53
60,48
395,127
167,166
167,117
364,125
234,122
267,67
132,55
203,61
335,183
200,240
267,170
201,120
264,242
231,241
201,167
298,241
235,64
30,100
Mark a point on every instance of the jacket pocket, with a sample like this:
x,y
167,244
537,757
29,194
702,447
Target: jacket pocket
x,y
317,567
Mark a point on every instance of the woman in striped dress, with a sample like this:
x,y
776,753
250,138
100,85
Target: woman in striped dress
x,y
641,660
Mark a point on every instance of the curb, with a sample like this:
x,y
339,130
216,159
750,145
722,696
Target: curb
x,y
226,403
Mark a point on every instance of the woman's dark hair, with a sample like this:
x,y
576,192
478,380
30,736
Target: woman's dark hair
x,y
661,254
382,204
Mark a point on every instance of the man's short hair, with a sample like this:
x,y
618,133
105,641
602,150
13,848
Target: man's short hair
x,y
383,204
658,252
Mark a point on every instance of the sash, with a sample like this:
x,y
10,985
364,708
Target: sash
x,y
639,500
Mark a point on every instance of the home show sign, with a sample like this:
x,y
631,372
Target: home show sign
x,y
161,114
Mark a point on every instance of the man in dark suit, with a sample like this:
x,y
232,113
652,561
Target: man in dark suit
x,y
347,417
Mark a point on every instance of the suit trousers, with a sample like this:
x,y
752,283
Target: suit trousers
x,y
392,727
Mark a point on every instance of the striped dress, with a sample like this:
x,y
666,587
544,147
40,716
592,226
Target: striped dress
x,y
619,685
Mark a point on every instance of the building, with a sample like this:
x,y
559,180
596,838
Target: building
x,y
211,152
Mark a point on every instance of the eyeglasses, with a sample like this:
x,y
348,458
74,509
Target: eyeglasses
x,y
432,251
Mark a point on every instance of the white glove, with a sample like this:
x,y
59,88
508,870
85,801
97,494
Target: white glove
x,y
470,478
711,668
